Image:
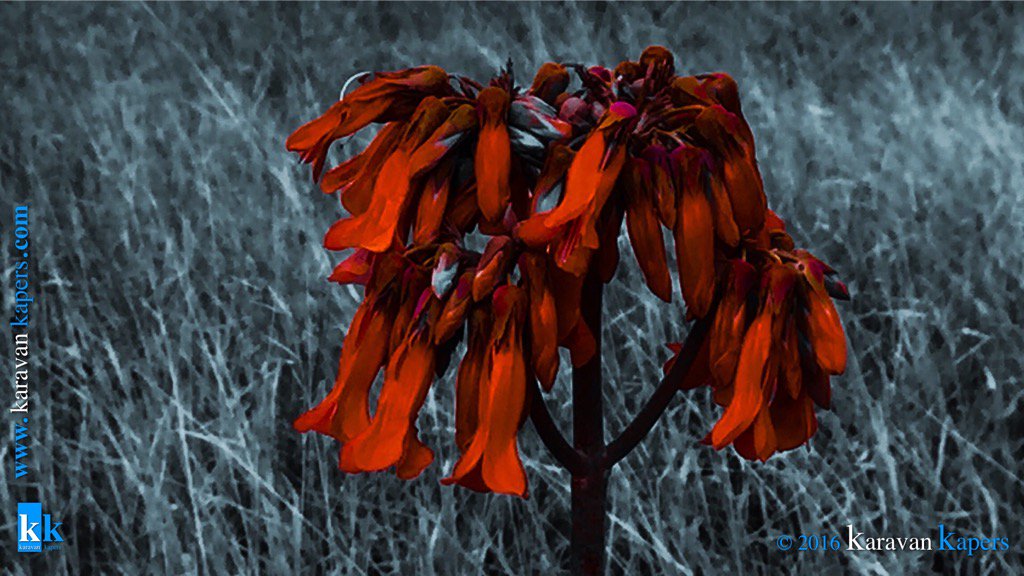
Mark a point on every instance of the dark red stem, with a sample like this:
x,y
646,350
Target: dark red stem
x,y
651,412
590,485
589,459
552,437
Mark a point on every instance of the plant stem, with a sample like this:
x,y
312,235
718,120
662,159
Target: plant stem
x,y
589,459
651,412
552,437
589,486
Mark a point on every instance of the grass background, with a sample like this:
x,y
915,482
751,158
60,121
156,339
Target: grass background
x,y
183,318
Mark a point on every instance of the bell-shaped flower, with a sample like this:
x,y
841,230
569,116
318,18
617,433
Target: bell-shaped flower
x,y
491,461
390,96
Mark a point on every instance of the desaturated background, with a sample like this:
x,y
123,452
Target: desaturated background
x,y
184,320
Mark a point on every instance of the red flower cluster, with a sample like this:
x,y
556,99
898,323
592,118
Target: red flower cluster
x,y
547,174
774,342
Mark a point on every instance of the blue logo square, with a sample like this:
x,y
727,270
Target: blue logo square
x,y
30,524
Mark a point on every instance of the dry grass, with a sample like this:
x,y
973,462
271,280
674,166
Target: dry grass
x,y
184,320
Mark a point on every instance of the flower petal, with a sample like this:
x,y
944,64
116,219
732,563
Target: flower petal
x,y
607,254
658,161
491,461
472,370
502,469
765,442
788,351
344,174
748,395
793,420
567,289
388,97
738,168
455,309
375,229
357,194
431,209
407,379
356,269
455,129
659,67
725,224
694,236
344,413
581,344
493,266
824,329
569,252
644,229
589,177
720,88
493,153
415,459
462,210
815,381
730,321
548,186
543,319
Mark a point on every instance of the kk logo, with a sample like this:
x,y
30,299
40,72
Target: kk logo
x,y
34,527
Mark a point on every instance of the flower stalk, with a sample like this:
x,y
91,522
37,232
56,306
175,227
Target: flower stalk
x,y
590,461
590,485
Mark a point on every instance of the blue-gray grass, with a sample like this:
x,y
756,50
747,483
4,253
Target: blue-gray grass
x,y
184,320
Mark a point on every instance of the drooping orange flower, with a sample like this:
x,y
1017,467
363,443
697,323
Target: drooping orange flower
x,y
644,226
694,231
726,338
491,462
543,319
388,97
475,364
493,160
391,437
376,228
344,413
355,179
775,341
589,181
548,174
